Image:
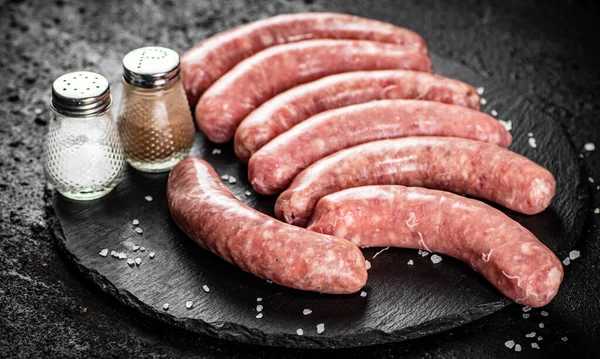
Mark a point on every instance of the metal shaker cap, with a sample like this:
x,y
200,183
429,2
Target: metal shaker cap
x,y
151,67
81,94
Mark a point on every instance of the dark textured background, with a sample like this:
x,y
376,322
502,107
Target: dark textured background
x,y
547,51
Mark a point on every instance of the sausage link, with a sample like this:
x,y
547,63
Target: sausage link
x,y
258,78
509,256
273,167
294,257
287,109
476,168
212,58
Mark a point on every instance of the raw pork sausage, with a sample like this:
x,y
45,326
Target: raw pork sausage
x,y
212,58
508,255
297,104
476,168
294,257
258,78
275,165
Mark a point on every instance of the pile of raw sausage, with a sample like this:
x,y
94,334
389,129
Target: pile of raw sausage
x,y
344,116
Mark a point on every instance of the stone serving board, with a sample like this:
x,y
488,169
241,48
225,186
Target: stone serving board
x,y
401,302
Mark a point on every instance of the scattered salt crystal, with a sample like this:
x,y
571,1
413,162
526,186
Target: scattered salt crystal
x,y
581,155
259,308
320,328
259,315
206,289
148,198
589,147
300,332
591,179
535,345
574,254
166,306
151,255
363,294
541,325
525,315
532,142
567,261
410,262
114,254
506,124
598,187
216,151
135,222
232,180
436,259
597,211
138,230
483,101
225,177
131,262
104,252
526,309
544,313
306,311
518,348
368,265
480,90
247,193
138,261
271,282
529,134
135,248
122,255
38,111
530,335
540,338
494,113
259,299
142,249
423,253
189,304
510,344
564,339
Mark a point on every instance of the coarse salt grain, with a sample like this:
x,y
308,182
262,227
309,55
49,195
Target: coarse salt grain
x,y
247,193
259,308
540,338
189,304
544,313
135,222
526,309
530,335
259,315
206,289
525,315
131,262
259,299
135,248
589,147
148,198
138,230
423,253
232,180
590,179
300,332
506,124
532,142
104,252
517,347
567,261
410,262
320,328
216,151
142,249
574,254
436,259
363,294
480,90
541,325
564,339
166,306
151,255
535,345
122,255
494,113
138,261
597,211
225,177
483,101
581,155
367,264
306,311
114,254
509,344
529,134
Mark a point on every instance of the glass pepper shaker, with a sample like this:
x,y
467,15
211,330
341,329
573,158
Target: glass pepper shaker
x,y
83,157
155,122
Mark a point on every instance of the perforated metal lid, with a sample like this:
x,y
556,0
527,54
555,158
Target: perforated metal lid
x,y
81,94
151,67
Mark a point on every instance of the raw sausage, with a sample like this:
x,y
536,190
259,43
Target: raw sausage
x,y
258,78
275,165
293,257
508,255
297,104
476,168
212,58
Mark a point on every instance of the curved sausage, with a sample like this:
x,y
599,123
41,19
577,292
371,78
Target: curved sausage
x,y
297,104
509,256
275,165
476,168
212,58
258,78
293,257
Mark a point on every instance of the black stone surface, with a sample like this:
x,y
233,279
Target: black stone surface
x,y
547,51
403,302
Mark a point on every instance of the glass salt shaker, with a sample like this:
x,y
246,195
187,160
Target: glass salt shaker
x,y
83,158
155,122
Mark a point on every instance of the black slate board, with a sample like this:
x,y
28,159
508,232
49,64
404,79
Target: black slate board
x,y
403,301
